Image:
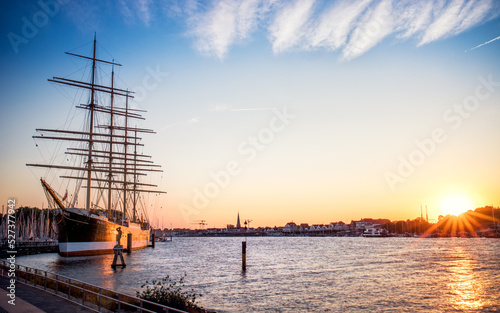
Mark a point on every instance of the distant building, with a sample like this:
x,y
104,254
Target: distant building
x,y
290,228
341,226
238,224
304,227
361,225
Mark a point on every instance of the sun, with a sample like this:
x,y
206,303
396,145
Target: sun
x,y
456,204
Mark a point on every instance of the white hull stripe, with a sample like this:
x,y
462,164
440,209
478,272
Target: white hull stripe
x,y
66,247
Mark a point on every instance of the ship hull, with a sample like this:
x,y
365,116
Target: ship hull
x,y
83,235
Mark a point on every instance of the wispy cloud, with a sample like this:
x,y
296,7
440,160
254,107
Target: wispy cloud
x,y
225,23
353,27
143,7
333,26
456,17
288,27
193,120
132,10
376,24
415,16
483,44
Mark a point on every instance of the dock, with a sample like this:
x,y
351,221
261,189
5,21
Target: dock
x,y
32,300
30,247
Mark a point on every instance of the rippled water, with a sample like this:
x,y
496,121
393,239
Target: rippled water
x,y
291,274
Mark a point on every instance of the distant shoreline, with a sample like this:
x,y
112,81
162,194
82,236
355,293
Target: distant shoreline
x,y
310,235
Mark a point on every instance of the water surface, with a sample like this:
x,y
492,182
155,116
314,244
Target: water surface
x,y
291,274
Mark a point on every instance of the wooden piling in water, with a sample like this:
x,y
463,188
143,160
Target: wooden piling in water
x,y
153,240
244,255
129,243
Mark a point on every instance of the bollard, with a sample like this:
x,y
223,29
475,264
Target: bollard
x,y
118,250
244,255
129,243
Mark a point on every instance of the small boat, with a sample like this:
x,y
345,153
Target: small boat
x,y
375,232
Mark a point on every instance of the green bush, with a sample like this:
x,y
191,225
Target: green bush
x,y
170,293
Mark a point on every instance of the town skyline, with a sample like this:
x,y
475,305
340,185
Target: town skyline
x,y
249,223
481,222
314,110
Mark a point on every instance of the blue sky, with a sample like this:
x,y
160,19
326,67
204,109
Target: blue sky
x,y
368,83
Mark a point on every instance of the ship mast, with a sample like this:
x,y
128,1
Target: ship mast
x,y
103,161
110,174
91,130
134,208
125,162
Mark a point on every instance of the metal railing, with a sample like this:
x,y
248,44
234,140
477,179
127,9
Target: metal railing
x,y
90,296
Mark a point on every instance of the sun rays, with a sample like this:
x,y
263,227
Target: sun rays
x,y
467,224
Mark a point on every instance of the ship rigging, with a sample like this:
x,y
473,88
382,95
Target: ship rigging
x,y
109,169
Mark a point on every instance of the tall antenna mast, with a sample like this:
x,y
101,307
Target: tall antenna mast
x,y
421,219
493,216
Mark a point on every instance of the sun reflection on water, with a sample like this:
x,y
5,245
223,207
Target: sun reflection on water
x,y
464,285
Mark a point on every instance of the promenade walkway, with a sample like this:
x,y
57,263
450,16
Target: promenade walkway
x,y
32,300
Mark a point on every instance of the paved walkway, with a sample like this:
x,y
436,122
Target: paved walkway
x,y
32,300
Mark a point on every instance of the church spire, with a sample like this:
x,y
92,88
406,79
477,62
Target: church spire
x,y
238,225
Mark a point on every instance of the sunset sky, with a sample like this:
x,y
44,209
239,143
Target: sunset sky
x,y
311,111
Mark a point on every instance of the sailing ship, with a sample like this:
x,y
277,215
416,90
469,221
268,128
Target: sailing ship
x,y
106,165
